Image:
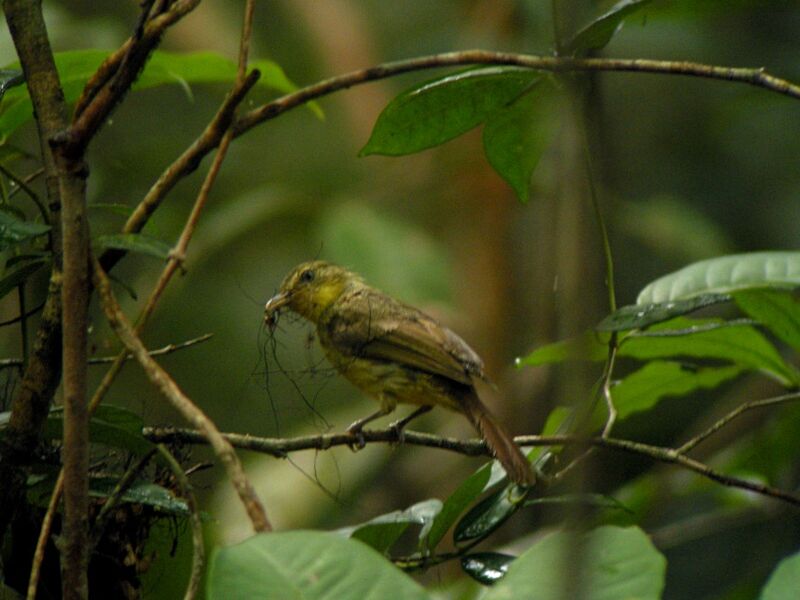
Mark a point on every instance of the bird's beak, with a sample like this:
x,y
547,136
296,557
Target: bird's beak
x,y
273,305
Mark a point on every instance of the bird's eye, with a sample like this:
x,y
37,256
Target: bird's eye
x,y
307,276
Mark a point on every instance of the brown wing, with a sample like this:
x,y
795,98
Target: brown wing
x,y
370,324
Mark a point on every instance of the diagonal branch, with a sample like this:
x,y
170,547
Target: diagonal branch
x,y
180,401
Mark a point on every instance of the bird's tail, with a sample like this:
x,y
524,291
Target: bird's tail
x,y
499,441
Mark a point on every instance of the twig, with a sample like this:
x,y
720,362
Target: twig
x,y
689,445
199,554
181,402
21,317
104,360
168,349
44,535
280,447
123,485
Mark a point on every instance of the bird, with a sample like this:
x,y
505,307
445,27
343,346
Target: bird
x,y
394,353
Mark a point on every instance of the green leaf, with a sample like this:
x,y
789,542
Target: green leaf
x,y
440,110
783,583
515,137
14,230
590,345
725,274
149,494
19,276
306,565
75,67
739,343
599,32
134,242
466,493
488,515
637,316
382,532
486,567
111,425
776,310
614,563
642,389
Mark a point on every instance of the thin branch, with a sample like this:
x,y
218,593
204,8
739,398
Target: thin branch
x,y
181,402
199,554
105,360
44,535
700,437
117,75
755,77
280,447
168,349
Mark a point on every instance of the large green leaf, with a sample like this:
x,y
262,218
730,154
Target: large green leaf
x,y
599,32
612,563
515,137
75,67
306,565
589,345
440,110
725,274
777,310
739,343
110,425
642,389
784,582
382,532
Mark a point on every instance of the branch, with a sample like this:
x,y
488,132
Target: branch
x,y
116,75
31,403
161,379
756,77
689,445
280,447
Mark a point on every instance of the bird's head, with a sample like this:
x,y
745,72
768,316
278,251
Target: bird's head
x,y
309,289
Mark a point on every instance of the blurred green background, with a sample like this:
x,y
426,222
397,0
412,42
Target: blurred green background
x,y
686,169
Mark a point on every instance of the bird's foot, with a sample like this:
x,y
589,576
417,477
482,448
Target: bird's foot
x,y
399,426
356,432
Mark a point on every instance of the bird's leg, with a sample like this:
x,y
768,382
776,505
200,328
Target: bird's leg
x,y
400,424
356,426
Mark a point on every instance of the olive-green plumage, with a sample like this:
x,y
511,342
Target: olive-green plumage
x,y
393,352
